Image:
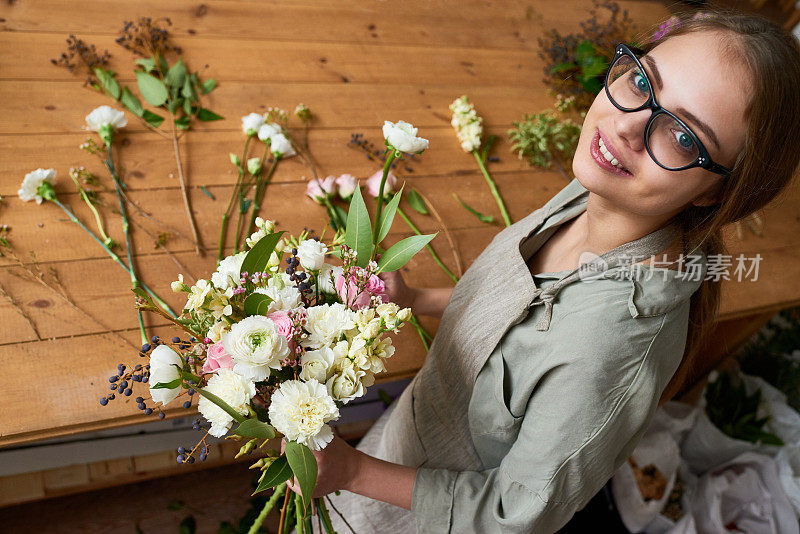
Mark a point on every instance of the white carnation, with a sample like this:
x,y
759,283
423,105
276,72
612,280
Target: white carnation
x,y
300,410
29,190
227,274
267,130
162,370
255,346
316,364
403,137
252,123
311,254
106,116
326,323
235,390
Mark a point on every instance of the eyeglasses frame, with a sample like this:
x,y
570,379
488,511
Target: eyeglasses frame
x,y
703,159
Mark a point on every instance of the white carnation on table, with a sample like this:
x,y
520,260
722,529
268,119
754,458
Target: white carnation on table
x,y
255,346
162,370
311,254
300,410
29,190
326,323
252,123
106,117
403,137
227,274
232,388
316,364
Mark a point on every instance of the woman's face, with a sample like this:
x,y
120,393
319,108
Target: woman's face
x,y
698,82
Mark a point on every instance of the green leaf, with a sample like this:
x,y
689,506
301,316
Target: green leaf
x,y
147,63
176,75
359,231
188,91
108,82
387,215
244,204
172,384
208,85
256,304
402,251
131,102
414,200
152,119
187,106
278,472
184,122
152,89
304,467
342,215
488,219
222,404
253,428
207,115
487,146
258,257
163,66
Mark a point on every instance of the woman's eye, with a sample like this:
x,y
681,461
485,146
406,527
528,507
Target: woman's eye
x,y
640,82
683,140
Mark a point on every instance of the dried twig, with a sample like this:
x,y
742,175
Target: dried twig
x,y
20,310
447,234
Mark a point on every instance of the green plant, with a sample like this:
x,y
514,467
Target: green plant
x,y
546,139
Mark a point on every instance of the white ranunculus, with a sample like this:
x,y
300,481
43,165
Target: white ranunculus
x,y
311,254
198,295
235,390
326,323
403,137
327,276
347,184
300,410
227,274
29,190
163,371
280,146
316,364
255,346
106,117
346,385
267,130
252,123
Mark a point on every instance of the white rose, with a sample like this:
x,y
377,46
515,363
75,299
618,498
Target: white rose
x,y
326,323
284,295
163,371
255,346
29,190
327,275
311,254
235,390
106,119
198,295
316,364
280,146
267,130
300,410
252,123
227,274
346,386
403,137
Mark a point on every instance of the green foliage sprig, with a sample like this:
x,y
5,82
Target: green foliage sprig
x,y
547,139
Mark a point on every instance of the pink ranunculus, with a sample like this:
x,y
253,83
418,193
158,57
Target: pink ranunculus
x,y
283,323
375,286
217,358
374,183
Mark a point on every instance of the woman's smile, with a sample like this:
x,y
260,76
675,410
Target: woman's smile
x,y
606,157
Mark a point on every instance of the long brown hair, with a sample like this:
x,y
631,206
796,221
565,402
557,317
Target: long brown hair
x,y
763,169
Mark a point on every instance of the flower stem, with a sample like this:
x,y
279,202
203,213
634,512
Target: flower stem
x,y
88,201
260,188
333,214
428,246
390,157
234,195
323,513
270,504
493,188
177,149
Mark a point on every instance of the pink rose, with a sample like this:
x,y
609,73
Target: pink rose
x,y
347,184
217,358
375,286
374,183
318,190
283,323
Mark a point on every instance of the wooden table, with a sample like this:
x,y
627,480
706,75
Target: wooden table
x,y
355,64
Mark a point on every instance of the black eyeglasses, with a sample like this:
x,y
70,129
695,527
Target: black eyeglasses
x,y
669,141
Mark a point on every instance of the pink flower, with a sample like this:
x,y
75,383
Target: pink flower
x,y
374,183
283,323
347,293
217,358
317,190
347,184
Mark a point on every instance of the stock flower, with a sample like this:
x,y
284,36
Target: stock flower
x,y
403,137
388,312
104,120
256,347
264,227
162,370
232,388
347,184
319,189
267,130
33,185
467,124
348,289
198,294
280,146
227,273
326,323
374,184
300,410
217,358
252,123
311,254
316,364
217,329
178,286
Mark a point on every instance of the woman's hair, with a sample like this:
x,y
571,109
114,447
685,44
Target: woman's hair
x,y
765,166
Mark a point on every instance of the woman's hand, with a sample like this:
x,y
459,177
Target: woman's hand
x,y
397,290
337,465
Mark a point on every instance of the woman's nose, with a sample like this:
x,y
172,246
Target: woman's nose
x,y
630,128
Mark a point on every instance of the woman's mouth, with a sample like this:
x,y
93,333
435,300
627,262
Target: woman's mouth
x,y
605,158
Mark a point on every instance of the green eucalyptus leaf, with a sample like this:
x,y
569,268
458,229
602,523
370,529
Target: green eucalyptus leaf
x,y
208,85
488,219
359,231
414,200
256,304
207,115
304,467
183,122
107,81
387,214
152,89
253,428
152,119
131,102
278,472
172,384
257,258
176,76
402,251
147,63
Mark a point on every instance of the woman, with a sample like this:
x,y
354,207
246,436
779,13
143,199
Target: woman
x,y
542,376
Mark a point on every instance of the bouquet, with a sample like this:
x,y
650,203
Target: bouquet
x,y
275,351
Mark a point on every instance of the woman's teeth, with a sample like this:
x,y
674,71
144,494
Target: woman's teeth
x,y
610,157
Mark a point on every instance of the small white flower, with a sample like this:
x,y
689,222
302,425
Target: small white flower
x,y
280,146
316,364
178,286
300,410
326,323
162,370
267,130
311,254
347,184
198,295
232,388
254,165
403,137
373,329
388,312
217,329
284,295
29,190
227,274
404,314
467,124
255,346
106,116
252,123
